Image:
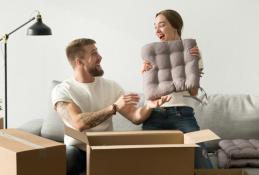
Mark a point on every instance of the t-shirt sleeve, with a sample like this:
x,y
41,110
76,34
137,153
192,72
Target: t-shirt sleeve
x,y
60,94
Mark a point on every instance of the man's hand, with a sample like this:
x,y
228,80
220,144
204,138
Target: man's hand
x,y
130,99
159,102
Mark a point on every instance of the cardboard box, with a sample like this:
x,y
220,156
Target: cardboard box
x,y
221,172
1,123
140,152
22,153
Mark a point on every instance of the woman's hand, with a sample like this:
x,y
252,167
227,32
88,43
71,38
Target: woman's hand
x,y
195,52
146,66
159,102
193,91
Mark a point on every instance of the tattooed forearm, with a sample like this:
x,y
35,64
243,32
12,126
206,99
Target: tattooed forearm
x,y
92,119
71,113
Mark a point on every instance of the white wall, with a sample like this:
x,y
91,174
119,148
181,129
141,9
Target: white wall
x,y
227,33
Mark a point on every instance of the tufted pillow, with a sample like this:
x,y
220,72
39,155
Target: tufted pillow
x,y
238,153
174,68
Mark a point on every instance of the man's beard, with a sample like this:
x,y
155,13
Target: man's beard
x,y
95,72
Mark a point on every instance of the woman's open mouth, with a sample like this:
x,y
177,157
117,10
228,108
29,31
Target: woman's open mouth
x,y
161,36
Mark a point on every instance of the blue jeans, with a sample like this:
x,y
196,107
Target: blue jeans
x,y
76,161
178,118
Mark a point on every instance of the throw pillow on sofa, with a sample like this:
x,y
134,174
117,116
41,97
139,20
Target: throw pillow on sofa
x,y
52,126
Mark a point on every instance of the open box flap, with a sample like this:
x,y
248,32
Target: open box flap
x,y
189,138
200,136
76,135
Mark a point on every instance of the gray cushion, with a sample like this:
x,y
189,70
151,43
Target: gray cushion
x,y
52,126
174,68
33,126
225,162
241,148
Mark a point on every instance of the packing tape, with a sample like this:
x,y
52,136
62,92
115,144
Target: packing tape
x,y
23,141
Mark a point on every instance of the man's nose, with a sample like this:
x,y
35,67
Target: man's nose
x,y
100,57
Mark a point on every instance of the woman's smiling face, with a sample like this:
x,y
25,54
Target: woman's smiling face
x,y
164,30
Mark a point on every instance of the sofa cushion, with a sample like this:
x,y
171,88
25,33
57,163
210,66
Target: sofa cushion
x,y
229,116
174,68
52,126
34,126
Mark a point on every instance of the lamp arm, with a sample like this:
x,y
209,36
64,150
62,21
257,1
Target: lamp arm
x,y
5,37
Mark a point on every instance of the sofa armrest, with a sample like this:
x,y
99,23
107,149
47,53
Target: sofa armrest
x,y
33,126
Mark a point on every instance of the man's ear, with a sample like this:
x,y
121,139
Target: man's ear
x,y
79,62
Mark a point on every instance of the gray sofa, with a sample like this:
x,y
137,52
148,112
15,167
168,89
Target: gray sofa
x,y
229,116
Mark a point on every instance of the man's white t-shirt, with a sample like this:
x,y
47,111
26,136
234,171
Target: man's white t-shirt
x,y
89,97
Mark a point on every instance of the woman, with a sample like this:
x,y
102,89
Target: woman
x,y
175,114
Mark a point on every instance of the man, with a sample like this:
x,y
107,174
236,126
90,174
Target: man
x,y
87,101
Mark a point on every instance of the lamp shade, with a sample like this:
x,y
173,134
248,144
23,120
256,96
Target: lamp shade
x,y
39,28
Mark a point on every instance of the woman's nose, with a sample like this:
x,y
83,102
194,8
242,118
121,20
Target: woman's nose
x,y
158,30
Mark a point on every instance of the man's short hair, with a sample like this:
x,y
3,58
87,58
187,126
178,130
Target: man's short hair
x,y
75,49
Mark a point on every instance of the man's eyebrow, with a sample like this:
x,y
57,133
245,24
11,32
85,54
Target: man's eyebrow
x,y
93,50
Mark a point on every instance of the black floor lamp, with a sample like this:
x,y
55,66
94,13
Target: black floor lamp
x,y
36,29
